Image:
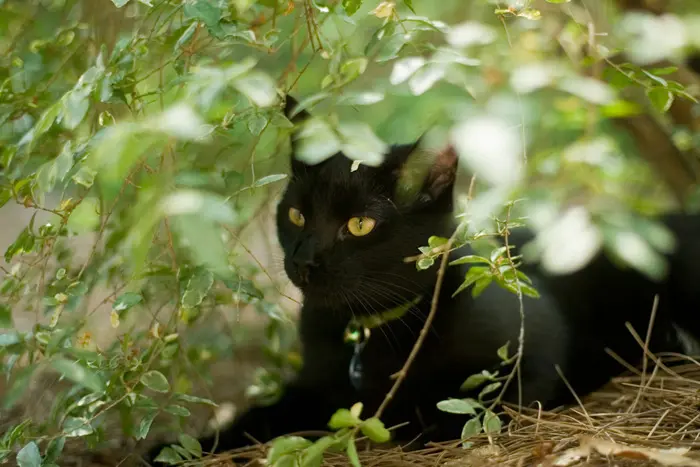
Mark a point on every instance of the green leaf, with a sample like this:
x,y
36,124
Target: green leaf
x,y
197,288
352,453
257,123
435,242
469,259
269,179
316,141
474,381
145,425
29,456
502,351
126,300
424,263
470,429
313,455
156,381
660,98
260,88
409,4
178,411
481,284
191,444
361,98
204,10
489,388
374,429
75,427
286,445
474,274
5,317
361,143
54,450
343,418
492,424
186,36
351,6
196,400
169,456
78,374
120,3
458,406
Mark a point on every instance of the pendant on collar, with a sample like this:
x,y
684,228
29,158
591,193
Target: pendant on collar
x,y
358,332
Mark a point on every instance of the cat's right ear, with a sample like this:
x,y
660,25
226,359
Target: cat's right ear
x,y
290,105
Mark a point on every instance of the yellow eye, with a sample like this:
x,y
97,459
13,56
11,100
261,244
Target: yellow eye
x,y
296,217
361,226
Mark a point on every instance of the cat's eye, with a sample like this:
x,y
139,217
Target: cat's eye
x,y
361,226
296,217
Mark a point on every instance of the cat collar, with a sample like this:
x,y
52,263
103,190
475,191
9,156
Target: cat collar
x,y
358,332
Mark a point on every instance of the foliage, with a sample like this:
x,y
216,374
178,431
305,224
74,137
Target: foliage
x,y
151,130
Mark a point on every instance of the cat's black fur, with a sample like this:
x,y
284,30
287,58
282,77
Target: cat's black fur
x,y
570,325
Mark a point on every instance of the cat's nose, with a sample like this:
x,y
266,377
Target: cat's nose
x,y
304,267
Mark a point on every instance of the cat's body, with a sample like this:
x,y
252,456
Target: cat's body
x,y
343,275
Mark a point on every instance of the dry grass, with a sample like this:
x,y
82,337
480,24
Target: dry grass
x,y
632,421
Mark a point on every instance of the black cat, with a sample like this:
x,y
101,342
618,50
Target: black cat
x,y
345,234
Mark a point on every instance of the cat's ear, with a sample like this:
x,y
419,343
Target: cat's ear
x,y
290,105
439,183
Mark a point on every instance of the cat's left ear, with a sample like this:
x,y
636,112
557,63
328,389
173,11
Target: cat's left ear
x,y
438,185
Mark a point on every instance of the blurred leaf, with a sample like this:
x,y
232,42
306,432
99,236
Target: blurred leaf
x,y
660,98
78,374
313,454
29,456
351,6
352,453
5,317
54,450
195,399
374,429
343,418
178,410
168,456
258,87
360,143
155,380
269,179
197,288
316,141
120,3
286,445
502,351
191,444
256,123
76,427
474,381
126,301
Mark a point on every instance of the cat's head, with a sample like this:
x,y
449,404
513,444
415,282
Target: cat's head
x,y
345,233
